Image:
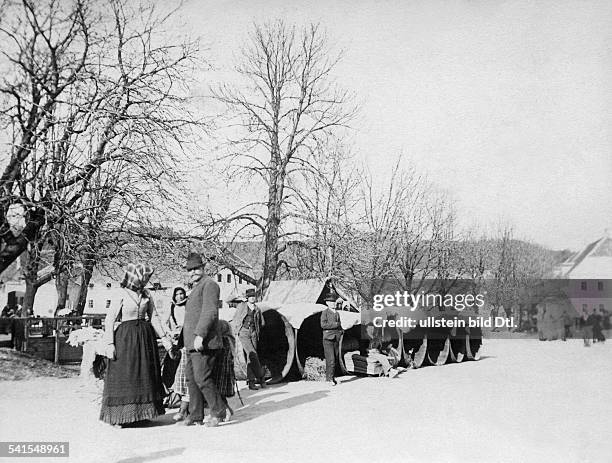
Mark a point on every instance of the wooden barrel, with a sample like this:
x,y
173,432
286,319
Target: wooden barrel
x,y
458,347
276,348
473,343
414,348
438,346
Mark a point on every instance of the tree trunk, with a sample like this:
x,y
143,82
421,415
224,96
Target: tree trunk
x,y
61,285
271,254
28,298
31,278
85,279
275,200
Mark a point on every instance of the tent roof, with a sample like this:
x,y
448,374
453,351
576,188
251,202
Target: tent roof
x,y
302,291
298,312
295,291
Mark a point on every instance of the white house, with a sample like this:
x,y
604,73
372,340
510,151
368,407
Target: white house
x,y
106,292
590,275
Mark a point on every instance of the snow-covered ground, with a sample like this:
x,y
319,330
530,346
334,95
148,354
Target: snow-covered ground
x,y
524,401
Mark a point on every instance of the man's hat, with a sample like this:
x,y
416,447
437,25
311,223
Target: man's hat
x,y
330,297
250,292
194,260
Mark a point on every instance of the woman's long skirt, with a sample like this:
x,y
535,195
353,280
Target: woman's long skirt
x,y
133,389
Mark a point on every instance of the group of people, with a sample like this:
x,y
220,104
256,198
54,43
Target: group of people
x,y
197,343
591,326
199,361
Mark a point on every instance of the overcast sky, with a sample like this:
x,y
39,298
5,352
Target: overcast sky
x,y
504,103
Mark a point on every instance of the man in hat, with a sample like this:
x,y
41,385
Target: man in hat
x,y
203,342
247,323
332,330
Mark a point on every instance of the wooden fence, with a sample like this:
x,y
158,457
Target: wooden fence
x,y
46,337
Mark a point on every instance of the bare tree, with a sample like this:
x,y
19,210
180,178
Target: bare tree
x,y
326,200
286,107
372,249
96,99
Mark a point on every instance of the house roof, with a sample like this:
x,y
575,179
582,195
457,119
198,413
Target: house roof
x,y
593,261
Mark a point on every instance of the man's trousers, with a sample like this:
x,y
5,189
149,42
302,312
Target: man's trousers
x,y
330,348
201,385
249,345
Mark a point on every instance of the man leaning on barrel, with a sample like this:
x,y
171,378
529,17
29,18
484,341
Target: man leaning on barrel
x,y
247,323
332,330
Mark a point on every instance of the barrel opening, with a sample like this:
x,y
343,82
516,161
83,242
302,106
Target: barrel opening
x,y
458,348
414,346
473,344
309,340
438,348
276,347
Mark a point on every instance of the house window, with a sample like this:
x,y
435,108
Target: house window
x,y
219,277
601,307
600,286
229,277
91,285
583,285
90,305
239,280
108,303
584,307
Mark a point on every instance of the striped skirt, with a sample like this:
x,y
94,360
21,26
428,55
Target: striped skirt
x,y
180,379
224,376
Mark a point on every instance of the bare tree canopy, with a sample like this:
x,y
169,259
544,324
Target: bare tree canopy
x,y
95,98
286,106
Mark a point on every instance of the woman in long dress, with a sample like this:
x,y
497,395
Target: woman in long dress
x,y
133,389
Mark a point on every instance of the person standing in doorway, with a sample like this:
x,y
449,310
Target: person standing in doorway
x,y
203,343
332,330
247,323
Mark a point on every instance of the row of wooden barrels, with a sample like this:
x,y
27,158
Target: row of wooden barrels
x,y
283,348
